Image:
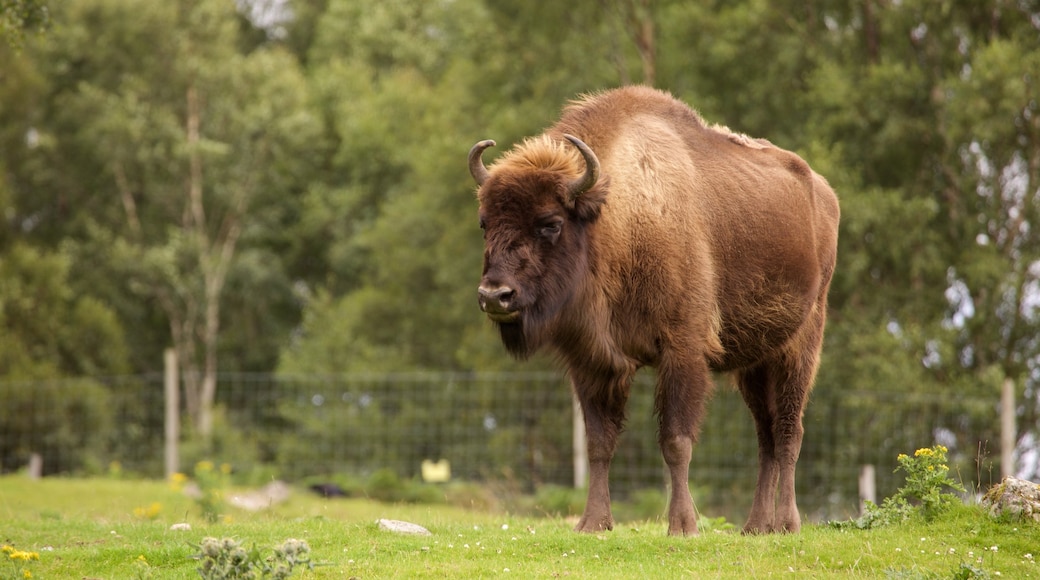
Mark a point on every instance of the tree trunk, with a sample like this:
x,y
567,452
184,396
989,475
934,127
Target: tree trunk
x,y
872,41
641,20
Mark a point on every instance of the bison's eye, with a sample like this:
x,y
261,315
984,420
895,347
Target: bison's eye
x,y
550,230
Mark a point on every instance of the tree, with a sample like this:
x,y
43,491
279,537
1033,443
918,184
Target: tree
x,y
188,152
932,121
406,88
48,331
19,16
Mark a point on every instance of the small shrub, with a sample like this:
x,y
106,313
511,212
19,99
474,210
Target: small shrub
x,y
227,559
642,504
424,493
385,485
560,501
927,475
472,496
211,482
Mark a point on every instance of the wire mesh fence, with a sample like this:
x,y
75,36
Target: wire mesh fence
x,y
489,427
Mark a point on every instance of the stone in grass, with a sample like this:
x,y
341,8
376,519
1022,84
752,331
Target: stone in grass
x,y
1015,498
399,527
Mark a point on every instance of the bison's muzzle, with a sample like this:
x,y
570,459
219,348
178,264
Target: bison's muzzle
x,y
497,303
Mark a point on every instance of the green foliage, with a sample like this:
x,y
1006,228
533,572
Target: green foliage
x,y
227,559
211,483
19,16
72,433
927,477
49,331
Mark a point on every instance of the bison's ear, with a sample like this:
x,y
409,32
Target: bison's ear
x,y
588,205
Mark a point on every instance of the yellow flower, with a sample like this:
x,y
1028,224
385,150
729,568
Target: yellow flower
x,y
7,549
26,574
177,480
902,457
151,512
204,466
924,451
20,555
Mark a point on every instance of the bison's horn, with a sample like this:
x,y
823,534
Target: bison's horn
x,y
583,183
476,164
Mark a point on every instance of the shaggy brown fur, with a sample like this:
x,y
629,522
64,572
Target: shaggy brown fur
x,y
696,249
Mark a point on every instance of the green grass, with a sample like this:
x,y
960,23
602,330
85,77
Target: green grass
x,y
87,528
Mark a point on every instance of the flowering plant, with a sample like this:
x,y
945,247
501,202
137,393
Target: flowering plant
x,y
211,482
19,559
926,476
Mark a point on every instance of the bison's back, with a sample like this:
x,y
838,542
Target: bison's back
x,y
730,237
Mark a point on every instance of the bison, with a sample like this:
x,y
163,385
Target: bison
x,y
632,234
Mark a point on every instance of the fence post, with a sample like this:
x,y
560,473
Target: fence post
x,y
171,388
581,450
35,466
1007,428
867,487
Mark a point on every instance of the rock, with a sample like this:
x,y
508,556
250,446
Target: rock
x,y
265,497
181,527
399,527
1015,498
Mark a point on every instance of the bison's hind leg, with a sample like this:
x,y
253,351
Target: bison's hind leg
x,y
776,391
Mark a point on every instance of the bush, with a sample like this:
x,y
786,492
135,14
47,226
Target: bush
x,y
70,435
926,477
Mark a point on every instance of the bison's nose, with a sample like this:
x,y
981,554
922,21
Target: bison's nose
x,y
497,302
493,297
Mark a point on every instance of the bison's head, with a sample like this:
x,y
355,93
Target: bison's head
x,y
535,208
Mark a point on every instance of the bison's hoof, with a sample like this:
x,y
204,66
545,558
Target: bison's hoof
x,y
592,525
754,530
685,528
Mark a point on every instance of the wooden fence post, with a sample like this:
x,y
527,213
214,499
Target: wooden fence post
x,y
35,466
171,388
867,487
581,451
1007,428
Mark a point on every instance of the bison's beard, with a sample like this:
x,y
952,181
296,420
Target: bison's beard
x,y
514,339
530,332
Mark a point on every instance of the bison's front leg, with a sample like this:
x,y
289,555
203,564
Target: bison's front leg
x,y
682,392
603,407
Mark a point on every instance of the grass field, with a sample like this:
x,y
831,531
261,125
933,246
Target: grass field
x,y
112,529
